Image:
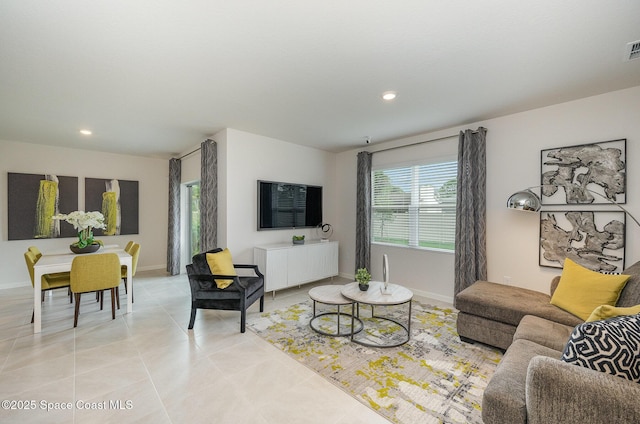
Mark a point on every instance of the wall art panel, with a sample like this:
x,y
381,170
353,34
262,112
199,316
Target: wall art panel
x,y
598,167
33,199
595,240
118,202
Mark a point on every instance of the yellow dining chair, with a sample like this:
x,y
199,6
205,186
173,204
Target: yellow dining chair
x,y
134,251
95,273
35,251
49,281
128,246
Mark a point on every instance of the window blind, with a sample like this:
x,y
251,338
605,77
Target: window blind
x,y
415,205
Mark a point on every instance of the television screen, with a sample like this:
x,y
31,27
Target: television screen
x,y
286,205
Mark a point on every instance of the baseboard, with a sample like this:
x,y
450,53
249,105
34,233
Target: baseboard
x,y
152,268
15,284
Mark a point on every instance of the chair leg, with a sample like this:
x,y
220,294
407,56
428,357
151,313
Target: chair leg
x,y
77,310
101,298
243,320
193,315
118,297
32,314
113,303
70,293
262,303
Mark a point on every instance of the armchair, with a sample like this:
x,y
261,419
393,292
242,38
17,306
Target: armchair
x,y
238,296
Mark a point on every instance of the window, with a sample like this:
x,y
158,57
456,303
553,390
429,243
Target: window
x,y
193,214
415,206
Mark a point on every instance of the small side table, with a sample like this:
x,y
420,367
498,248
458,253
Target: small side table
x,y
376,296
332,295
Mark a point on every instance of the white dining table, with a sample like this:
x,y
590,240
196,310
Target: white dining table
x,y
48,264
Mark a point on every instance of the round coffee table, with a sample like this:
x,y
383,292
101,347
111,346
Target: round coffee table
x,y
377,296
332,295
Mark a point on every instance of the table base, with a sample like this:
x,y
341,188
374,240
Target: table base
x,y
338,315
405,328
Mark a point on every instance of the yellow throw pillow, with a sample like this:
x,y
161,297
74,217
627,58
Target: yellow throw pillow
x,y
220,263
581,290
608,311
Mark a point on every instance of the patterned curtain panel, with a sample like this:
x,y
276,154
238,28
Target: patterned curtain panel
x,y
173,245
208,195
471,250
363,211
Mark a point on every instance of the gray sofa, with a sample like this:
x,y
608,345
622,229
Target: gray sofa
x,y
531,383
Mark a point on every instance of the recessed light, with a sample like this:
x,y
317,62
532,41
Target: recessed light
x,y
85,132
389,95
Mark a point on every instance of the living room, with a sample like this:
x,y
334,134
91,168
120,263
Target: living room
x,y
511,166
566,115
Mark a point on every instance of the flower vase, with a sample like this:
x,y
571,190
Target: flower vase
x,y
87,249
363,287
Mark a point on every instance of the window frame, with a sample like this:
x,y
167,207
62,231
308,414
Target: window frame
x,y
414,207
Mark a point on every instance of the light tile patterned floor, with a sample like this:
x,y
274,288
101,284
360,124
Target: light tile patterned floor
x,y
147,367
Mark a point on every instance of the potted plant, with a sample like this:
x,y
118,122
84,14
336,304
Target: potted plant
x,y
84,223
363,277
298,239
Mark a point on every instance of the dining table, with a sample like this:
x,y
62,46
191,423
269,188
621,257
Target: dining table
x,y
61,262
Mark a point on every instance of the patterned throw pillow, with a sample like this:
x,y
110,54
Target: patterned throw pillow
x,y
611,346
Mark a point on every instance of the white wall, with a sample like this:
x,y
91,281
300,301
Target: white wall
x,y
513,163
245,158
152,175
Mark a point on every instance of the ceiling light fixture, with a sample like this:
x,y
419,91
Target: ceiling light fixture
x,y
85,132
389,95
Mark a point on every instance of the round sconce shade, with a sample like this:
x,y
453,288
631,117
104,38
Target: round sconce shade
x,y
524,200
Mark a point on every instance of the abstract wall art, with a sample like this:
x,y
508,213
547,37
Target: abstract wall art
x,y
33,199
570,175
118,202
595,240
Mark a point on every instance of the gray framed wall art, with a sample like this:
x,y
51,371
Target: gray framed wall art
x,y
584,174
593,239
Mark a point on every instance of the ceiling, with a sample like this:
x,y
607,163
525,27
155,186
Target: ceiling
x,y
156,77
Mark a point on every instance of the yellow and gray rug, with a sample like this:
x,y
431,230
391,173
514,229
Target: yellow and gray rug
x,y
433,378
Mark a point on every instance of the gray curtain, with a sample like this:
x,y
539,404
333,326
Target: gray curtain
x,y
208,195
173,239
363,211
471,250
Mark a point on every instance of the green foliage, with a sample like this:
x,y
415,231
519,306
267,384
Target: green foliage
x,y
363,276
298,238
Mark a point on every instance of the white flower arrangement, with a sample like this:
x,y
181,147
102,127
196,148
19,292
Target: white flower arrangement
x,y
84,222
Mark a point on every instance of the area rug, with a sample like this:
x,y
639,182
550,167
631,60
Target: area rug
x,y
433,378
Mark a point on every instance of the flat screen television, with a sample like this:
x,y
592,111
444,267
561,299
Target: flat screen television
x,y
287,205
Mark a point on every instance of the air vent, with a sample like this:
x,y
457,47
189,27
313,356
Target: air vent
x,y
632,51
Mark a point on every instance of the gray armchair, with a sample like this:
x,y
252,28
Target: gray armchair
x,y
239,296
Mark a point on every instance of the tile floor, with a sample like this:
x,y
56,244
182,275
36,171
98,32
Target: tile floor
x,y
147,367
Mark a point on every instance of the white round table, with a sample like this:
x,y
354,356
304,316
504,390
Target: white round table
x,y
377,296
332,295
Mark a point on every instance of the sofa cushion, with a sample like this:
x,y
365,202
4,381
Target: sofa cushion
x,y
611,346
508,304
221,263
608,311
544,332
503,400
631,293
581,290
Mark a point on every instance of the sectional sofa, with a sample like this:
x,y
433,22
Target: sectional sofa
x,y
532,384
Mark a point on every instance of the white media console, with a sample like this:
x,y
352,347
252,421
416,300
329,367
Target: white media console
x,y
286,265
